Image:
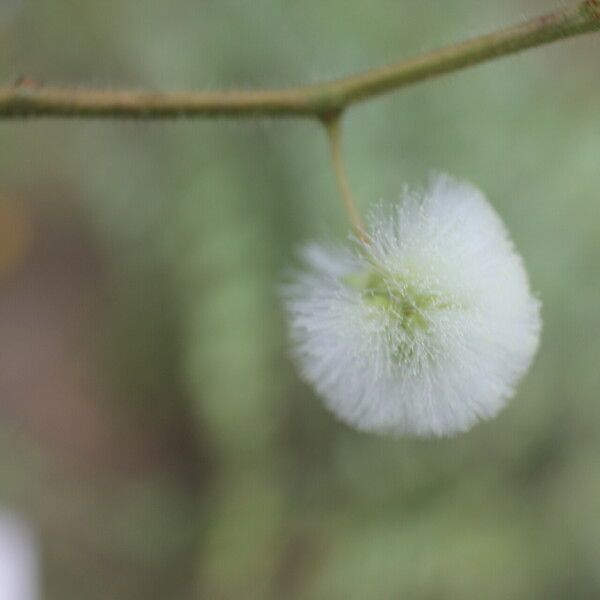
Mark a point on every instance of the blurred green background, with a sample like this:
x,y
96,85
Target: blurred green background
x,y
152,428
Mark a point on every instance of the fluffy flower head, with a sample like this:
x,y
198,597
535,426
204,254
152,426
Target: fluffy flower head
x,y
424,329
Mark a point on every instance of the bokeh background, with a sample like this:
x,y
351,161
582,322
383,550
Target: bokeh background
x,y
154,436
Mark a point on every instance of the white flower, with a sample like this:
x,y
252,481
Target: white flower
x,y
424,329
19,559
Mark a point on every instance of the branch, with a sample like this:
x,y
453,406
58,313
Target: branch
x,y
28,99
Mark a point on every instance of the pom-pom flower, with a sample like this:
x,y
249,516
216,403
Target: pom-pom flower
x,y
425,328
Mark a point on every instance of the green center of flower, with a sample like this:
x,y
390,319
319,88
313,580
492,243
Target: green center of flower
x,y
397,296
407,305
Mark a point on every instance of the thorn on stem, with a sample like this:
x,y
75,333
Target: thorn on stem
x,y
27,82
329,116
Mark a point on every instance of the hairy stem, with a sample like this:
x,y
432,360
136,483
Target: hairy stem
x,y
26,98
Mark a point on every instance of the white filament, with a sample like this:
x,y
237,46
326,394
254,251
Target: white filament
x,y
425,329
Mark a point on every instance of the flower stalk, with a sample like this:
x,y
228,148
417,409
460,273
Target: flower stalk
x,y
334,136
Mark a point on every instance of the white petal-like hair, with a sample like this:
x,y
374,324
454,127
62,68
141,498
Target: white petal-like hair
x,y
424,329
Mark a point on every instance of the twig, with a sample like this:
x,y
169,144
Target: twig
x,y
28,99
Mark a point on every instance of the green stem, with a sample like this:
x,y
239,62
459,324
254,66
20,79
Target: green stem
x,y
334,135
28,99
